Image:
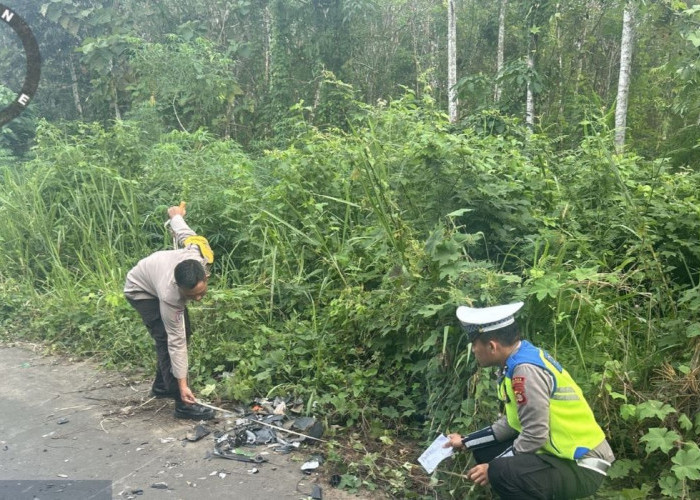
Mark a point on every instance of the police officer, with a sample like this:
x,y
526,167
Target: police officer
x,y
159,288
548,444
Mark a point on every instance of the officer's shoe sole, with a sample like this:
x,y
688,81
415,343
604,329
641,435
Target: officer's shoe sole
x,y
193,412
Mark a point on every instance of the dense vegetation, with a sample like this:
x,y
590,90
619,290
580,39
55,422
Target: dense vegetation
x,y
347,230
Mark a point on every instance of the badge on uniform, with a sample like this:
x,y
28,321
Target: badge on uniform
x,y
519,390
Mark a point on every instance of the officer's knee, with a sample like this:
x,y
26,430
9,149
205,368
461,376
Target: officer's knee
x,y
498,471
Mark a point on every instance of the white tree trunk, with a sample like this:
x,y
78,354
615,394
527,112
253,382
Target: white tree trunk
x,y
74,86
501,48
624,80
530,99
452,101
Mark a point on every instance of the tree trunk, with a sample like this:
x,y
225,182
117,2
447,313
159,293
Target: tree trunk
x,y
501,48
624,80
115,96
452,102
530,99
560,64
74,86
267,23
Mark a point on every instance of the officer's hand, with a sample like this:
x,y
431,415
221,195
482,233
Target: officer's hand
x,y
187,396
177,210
455,441
479,474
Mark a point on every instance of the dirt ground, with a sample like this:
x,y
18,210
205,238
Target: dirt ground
x,y
64,421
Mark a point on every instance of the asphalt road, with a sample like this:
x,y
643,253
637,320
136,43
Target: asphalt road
x,y
63,422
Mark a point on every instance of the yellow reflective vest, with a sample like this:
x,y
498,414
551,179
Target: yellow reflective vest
x,y
573,430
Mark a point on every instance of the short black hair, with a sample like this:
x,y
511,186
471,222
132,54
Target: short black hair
x,y
506,336
188,273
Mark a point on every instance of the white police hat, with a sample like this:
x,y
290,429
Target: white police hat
x,y
476,320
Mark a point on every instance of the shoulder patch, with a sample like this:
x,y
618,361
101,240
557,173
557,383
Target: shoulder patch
x,y
519,390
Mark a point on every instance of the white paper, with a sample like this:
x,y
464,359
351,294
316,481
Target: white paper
x,y
435,454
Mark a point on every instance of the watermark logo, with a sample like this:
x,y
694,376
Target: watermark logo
x,y
31,51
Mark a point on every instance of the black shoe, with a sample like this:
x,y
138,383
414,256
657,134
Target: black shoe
x,y
161,392
193,412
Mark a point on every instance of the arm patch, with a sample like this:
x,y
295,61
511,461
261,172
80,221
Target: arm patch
x,y
519,390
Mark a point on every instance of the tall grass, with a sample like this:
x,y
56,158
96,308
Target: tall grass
x,y
341,258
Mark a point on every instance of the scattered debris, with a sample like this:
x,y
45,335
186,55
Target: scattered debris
x,y
316,493
167,440
160,486
129,493
198,433
280,409
62,475
226,446
254,470
313,464
309,466
62,420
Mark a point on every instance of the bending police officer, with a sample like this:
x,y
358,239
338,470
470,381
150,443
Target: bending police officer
x,y
159,287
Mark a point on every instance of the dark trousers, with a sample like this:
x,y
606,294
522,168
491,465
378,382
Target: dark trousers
x,y
536,476
149,310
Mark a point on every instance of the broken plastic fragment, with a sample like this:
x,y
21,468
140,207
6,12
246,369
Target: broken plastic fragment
x,y
198,433
160,486
310,465
62,420
264,436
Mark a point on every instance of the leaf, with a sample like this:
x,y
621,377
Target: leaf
x,y
622,468
459,212
429,310
671,486
547,286
685,422
653,408
687,464
693,330
628,411
390,412
694,38
660,438
208,389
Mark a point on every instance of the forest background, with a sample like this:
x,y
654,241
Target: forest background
x,y
351,214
